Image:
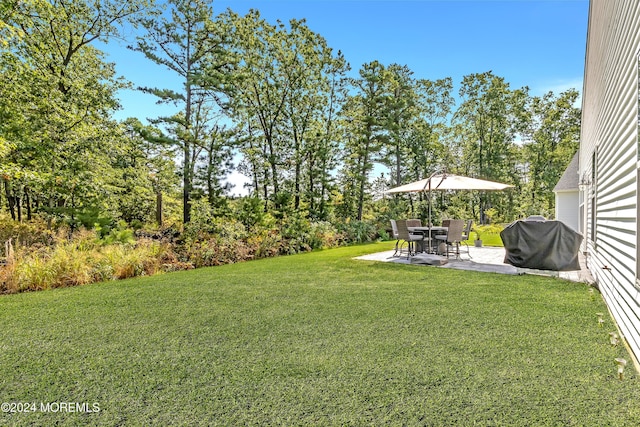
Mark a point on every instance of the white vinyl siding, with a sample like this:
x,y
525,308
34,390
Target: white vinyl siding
x,y
610,130
567,203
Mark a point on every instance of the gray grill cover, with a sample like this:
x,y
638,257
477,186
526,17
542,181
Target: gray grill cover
x,y
543,245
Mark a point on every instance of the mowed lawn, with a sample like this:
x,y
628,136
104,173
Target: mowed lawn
x,y
316,339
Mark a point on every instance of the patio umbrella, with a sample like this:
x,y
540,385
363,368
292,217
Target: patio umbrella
x,y
445,181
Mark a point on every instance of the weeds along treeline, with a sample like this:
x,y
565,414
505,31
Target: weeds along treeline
x,y
37,257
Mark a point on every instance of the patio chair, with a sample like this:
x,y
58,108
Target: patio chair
x,y
405,235
420,244
466,234
394,230
453,236
414,223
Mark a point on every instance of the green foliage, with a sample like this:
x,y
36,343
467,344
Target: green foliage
x,y
92,217
26,234
357,231
188,42
120,234
211,240
309,151
289,143
203,220
552,137
301,234
251,212
55,104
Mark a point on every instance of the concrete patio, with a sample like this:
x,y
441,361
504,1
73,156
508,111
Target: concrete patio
x,y
484,259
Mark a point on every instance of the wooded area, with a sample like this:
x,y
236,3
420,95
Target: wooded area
x,y
309,132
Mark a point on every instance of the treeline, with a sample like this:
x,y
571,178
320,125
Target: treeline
x,y
309,133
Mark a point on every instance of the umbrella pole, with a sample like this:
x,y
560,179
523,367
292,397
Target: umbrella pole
x,y
429,238
429,250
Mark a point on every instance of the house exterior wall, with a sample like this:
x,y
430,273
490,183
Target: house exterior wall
x,y
609,158
567,203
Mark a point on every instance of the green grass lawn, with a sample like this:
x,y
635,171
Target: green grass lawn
x,y
490,239
316,339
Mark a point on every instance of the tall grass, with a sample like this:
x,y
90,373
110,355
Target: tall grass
x,y
79,261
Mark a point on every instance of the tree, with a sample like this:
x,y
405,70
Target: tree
x,y
427,148
285,92
59,95
399,114
324,149
215,157
488,119
188,42
365,121
143,172
314,69
551,140
258,93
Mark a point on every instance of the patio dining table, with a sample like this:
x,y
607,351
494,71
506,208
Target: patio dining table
x,y
424,230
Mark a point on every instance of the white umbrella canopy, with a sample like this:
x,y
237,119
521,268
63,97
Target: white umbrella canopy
x,y
448,182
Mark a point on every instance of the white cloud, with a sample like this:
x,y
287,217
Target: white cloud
x,y
238,180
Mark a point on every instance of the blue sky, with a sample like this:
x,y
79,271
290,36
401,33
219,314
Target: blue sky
x,y
535,43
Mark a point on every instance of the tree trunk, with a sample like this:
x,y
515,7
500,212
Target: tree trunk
x,y
265,189
186,183
363,180
18,203
210,187
10,199
27,201
312,204
398,161
159,208
274,171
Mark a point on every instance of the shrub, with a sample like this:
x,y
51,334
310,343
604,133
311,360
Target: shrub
x,y
323,235
217,251
295,232
49,259
251,213
66,265
264,242
119,234
357,231
383,234
26,233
